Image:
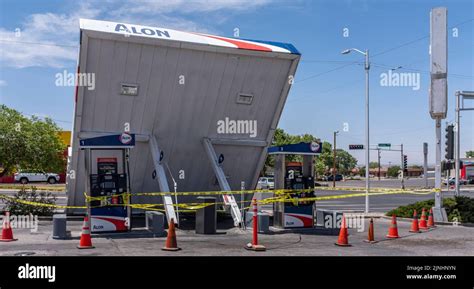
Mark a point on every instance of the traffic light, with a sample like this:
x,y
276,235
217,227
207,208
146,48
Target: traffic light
x,y
405,163
449,142
356,147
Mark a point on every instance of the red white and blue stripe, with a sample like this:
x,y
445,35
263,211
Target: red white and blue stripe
x,y
132,30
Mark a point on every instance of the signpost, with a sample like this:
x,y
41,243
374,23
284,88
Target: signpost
x,y
384,145
438,91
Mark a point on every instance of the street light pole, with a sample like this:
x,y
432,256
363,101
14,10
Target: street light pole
x,y
367,149
367,154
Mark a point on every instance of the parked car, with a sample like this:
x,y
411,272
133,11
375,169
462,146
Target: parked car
x,y
27,177
266,183
331,177
452,181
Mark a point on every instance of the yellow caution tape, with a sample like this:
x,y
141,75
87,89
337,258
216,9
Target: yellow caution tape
x,y
282,195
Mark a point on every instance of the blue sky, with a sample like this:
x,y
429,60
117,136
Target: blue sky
x,y
325,97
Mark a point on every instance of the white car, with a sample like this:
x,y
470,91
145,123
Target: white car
x,y
266,183
27,177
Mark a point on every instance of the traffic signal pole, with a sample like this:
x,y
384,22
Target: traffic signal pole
x,y
457,141
460,97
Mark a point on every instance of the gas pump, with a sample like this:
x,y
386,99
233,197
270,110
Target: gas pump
x,y
293,213
297,214
108,181
108,213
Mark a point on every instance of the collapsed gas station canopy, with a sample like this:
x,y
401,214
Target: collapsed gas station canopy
x,y
171,89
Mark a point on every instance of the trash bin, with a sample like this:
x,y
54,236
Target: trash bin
x,y
155,222
59,226
206,218
263,220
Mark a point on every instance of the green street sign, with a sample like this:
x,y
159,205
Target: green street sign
x,y
385,145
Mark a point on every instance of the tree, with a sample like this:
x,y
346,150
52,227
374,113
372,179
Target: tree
x,y
470,154
393,171
415,167
29,143
373,165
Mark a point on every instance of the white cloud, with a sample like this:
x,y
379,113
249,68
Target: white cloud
x,y
51,39
187,6
44,39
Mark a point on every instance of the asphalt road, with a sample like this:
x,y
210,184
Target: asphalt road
x,y
382,203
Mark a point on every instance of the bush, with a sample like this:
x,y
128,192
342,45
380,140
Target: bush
x,y
17,208
459,209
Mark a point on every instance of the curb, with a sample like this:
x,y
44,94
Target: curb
x,y
437,223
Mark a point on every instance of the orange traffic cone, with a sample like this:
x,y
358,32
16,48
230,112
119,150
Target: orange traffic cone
x,y
414,224
423,225
86,241
370,237
393,230
343,239
431,223
7,232
171,243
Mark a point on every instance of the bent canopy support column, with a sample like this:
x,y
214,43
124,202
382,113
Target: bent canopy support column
x,y
161,178
229,199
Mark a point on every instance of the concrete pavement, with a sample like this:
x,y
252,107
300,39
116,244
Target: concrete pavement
x,y
441,241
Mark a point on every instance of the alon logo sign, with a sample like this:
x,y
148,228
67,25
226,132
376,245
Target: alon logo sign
x,y
130,29
314,146
125,138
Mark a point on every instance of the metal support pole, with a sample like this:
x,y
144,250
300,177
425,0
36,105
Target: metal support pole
x,y
128,199
175,187
438,166
367,149
242,188
457,140
87,163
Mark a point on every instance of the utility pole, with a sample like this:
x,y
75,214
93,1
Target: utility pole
x,y
402,167
334,161
378,151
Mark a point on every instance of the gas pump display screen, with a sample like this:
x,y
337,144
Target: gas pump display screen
x,y
108,185
106,166
298,186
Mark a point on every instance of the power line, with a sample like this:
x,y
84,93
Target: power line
x,y
380,53
423,71
418,39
